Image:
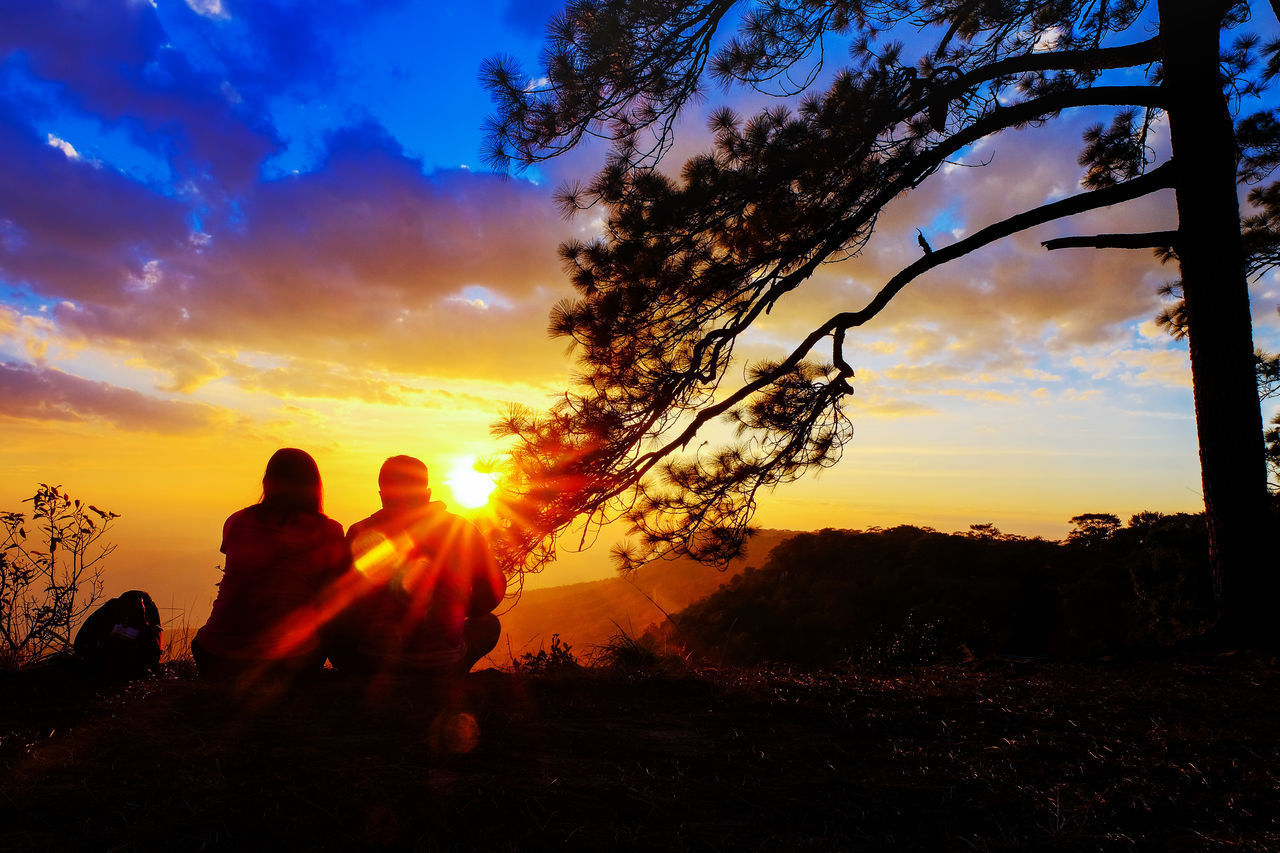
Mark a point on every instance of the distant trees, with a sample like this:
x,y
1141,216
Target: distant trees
x,y
909,594
1092,528
689,263
51,576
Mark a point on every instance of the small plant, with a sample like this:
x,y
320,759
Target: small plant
x,y
49,578
559,658
625,653
177,650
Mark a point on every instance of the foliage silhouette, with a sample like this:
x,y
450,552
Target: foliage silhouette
x,y
1268,368
50,580
911,595
643,655
558,659
1093,528
689,263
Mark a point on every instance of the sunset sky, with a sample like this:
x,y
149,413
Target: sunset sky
x,y
227,227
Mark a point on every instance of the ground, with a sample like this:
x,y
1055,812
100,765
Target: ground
x,y
1174,754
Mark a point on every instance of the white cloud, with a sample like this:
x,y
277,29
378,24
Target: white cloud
x,y
208,8
64,146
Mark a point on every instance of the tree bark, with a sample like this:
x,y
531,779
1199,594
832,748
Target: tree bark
x,y
1220,331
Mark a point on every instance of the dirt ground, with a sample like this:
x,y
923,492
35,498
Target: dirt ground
x,y
1174,754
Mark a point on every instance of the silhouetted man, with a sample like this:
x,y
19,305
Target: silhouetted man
x,y
431,583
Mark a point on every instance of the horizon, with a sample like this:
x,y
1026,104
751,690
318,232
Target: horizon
x,y
230,228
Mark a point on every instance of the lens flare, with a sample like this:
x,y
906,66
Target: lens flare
x,y
456,733
374,554
471,488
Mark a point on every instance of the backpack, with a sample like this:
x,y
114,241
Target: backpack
x,y
122,638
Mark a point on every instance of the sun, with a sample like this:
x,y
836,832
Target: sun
x,y
471,488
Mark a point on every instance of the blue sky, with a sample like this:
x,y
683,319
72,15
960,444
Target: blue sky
x,y
292,73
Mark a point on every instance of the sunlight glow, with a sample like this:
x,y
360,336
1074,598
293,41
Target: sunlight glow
x,y
471,488
373,553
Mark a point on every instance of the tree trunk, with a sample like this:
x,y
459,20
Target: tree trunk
x,y
1220,331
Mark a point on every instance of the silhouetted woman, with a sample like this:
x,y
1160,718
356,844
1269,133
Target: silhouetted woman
x,y
282,554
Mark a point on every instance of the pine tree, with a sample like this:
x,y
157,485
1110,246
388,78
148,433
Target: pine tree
x,y
690,263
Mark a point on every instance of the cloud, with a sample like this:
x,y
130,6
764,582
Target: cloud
x,y
1010,314
361,262
208,8
65,147
9,320
72,228
364,267
298,379
43,393
1014,293
113,59
1145,367
888,407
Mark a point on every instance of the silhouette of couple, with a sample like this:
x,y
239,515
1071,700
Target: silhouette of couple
x,y
409,589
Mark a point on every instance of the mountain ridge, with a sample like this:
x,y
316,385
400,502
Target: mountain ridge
x,y
588,613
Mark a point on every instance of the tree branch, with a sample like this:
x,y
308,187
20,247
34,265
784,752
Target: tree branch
x,y
1157,179
1000,118
1093,59
1147,240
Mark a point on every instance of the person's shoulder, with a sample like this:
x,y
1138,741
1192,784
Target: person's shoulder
x,y
442,516
241,526
313,524
240,517
456,528
440,511
363,525
331,527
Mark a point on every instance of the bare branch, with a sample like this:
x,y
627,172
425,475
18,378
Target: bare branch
x,y
1157,179
1147,240
1096,59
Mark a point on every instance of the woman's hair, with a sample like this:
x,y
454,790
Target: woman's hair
x,y
291,484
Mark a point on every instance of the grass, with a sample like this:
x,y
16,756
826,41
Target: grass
x,y
1177,754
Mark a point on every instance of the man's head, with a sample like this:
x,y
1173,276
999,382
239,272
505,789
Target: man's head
x,y
402,483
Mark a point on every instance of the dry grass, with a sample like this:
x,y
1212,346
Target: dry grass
x,y
1177,754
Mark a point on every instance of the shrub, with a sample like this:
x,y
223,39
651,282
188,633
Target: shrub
x,y
644,655
558,659
49,578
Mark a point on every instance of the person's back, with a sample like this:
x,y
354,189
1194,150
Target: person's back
x,y
282,555
431,582
274,574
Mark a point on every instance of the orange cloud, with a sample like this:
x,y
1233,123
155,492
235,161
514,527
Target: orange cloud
x,y
44,393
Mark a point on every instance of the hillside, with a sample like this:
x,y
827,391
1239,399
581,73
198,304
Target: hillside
x,y
839,595
587,614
